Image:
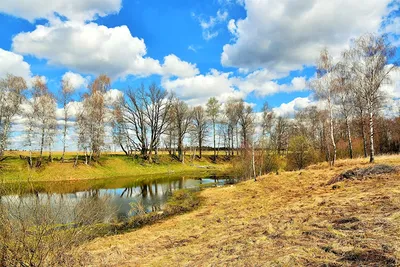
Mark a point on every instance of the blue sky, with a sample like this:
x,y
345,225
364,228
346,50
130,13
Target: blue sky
x,y
255,49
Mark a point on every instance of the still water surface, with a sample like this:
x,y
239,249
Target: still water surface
x,y
121,194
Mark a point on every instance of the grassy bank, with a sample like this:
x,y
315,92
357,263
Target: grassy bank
x,y
289,219
15,169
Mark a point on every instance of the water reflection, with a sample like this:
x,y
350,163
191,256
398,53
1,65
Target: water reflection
x,y
151,195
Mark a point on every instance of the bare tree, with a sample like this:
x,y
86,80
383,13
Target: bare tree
x,y
44,116
343,88
213,107
371,58
157,106
94,114
11,96
323,89
246,122
200,125
65,98
135,116
183,117
232,114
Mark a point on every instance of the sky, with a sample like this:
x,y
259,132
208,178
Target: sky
x,y
258,50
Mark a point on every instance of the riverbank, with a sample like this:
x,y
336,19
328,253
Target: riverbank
x,y
291,218
14,169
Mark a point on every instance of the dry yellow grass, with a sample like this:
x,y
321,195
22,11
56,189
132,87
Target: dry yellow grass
x,y
289,219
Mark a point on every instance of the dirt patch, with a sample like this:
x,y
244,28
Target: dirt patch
x,y
362,173
369,257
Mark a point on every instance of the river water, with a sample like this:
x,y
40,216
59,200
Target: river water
x,y
121,194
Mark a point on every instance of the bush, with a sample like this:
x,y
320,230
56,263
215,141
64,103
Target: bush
x,y
37,232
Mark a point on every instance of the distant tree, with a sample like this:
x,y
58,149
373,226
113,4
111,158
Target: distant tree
x,y
200,125
12,90
65,98
246,122
232,115
44,116
343,88
213,108
94,114
183,117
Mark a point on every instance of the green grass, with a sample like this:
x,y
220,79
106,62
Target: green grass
x,y
15,169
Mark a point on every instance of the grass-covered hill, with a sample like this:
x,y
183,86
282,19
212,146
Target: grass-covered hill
x,y
286,219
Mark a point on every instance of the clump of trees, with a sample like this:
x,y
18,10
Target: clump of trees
x,y
147,120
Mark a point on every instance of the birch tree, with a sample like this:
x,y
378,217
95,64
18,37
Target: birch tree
x,y
65,98
183,117
12,90
213,108
200,126
323,88
372,59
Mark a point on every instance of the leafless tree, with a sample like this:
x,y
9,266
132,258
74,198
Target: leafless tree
x,y
183,117
200,125
343,88
323,88
232,114
213,108
44,116
371,57
65,98
135,116
157,105
246,122
93,117
12,90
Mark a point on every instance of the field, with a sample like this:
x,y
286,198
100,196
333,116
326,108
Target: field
x,y
115,165
285,219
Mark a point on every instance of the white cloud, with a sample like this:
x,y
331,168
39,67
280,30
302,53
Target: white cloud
x,y
284,35
11,63
260,82
289,109
197,89
208,25
71,9
173,66
113,95
76,80
392,89
96,49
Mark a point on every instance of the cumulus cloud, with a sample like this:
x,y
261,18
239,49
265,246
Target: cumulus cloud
x,y
174,66
197,89
71,9
261,82
284,35
11,63
96,49
76,80
289,109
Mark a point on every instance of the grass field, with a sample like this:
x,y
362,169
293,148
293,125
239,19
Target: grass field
x,y
289,219
15,169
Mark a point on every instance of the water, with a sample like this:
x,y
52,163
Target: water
x,y
121,194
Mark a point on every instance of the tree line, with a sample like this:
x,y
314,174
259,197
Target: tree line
x,y
149,119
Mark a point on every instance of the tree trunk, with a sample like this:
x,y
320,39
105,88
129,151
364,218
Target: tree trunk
x,y
123,149
215,155
253,163
371,137
200,144
332,133
349,138
364,138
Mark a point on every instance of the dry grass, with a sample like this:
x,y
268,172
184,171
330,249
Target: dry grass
x,y
289,219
